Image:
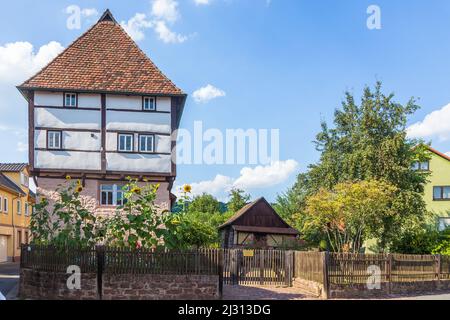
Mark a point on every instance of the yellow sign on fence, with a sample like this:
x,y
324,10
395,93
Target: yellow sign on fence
x,y
248,253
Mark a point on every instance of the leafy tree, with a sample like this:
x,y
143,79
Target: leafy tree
x,y
350,212
368,142
238,200
205,203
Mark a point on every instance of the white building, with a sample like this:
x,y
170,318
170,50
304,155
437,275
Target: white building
x,y
101,112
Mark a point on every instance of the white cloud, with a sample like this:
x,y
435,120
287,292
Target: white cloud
x,y
167,35
207,93
165,10
136,25
163,13
435,124
266,176
202,2
250,178
18,60
22,147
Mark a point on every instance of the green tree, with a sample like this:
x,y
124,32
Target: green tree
x,y
369,141
238,200
350,212
204,203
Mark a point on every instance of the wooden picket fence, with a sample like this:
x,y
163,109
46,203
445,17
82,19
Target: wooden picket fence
x,y
121,261
257,267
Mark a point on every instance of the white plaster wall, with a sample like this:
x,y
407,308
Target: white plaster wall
x,y
123,102
139,162
64,118
68,160
162,143
139,121
135,102
89,101
48,99
72,140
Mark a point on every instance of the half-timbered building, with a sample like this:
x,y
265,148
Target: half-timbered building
x,y
101,112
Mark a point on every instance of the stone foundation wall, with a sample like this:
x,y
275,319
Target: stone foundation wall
x,y
40,285
160,287
396,288
314,288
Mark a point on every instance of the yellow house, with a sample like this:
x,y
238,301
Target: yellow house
x,y
437,190
16,205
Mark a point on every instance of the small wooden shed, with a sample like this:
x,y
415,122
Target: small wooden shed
x,y
257,225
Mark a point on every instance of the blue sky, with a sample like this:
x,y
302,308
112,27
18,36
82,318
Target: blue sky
x,y
282,64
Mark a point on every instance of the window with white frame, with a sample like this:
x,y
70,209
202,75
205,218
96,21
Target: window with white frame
x,y
421,166
19,207
1,204
54,140
125,142
112,195
149,104
5,205
24,179
146,143
70,100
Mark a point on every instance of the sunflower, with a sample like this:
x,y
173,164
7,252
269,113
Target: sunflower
x,y
187,188
136,190
79,183
78,189
68,178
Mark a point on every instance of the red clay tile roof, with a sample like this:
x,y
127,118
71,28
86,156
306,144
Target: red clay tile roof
x,y
439,153
104,59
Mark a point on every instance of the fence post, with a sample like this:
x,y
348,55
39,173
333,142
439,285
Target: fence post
x,y
100,252
389,262
220,267
261,267
288,268
326,278
438,267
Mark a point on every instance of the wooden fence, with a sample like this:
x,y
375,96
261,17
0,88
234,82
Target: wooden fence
x,y
357,268
310,266
121,261
257,267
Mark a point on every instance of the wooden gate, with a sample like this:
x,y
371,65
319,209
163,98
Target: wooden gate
x,y
257,267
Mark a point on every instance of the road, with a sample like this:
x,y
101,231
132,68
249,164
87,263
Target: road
x,y
9,277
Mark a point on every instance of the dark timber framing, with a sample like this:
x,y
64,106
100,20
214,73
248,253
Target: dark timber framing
x,y
31,129
103,124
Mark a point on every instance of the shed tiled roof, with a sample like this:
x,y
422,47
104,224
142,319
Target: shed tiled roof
x,y
12,167
7,183
104,59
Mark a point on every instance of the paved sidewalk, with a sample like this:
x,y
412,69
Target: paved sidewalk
x,y
263,293
9,279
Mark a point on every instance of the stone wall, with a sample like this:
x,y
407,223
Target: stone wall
x,y
393,288
39,285
160,287
311,287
